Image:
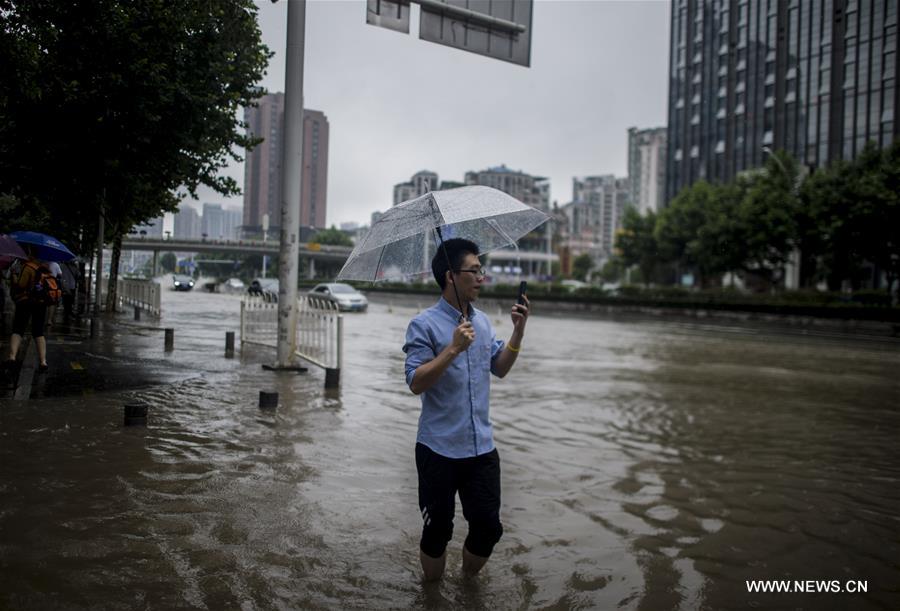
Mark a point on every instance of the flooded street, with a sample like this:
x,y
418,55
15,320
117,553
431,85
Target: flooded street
x,y
646,465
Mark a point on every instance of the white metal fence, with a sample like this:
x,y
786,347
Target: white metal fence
x,y
259,321
319,333
144,294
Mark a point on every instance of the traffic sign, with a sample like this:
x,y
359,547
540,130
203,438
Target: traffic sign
x,y
496,28
505,34
390,14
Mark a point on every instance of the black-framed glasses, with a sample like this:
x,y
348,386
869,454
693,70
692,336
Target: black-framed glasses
x,y
479,273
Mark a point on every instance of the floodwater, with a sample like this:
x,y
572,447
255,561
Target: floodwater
x,y
646,465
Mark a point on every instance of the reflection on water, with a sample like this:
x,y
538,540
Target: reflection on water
x,y
646,465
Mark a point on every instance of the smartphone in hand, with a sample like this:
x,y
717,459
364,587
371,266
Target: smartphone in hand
x,y
523,286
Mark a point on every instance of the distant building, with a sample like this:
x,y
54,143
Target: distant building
x,y
231,223
262,169
535,253
212,223
187,222
403,191
595,214
351,226
817,78
647,168
531,190
420,183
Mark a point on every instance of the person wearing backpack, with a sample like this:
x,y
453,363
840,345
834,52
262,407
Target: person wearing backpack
x,y
32,288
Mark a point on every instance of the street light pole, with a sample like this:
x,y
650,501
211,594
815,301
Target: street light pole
x,y
291,171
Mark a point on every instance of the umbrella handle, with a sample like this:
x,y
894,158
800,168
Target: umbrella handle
x,y
462,316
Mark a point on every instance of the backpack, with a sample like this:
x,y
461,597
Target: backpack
x,y
37,285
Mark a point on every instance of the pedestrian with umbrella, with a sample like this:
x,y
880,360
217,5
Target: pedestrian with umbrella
x,y
451,351
33,288
10,251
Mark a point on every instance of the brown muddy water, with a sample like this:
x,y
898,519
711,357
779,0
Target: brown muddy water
x,y
647,464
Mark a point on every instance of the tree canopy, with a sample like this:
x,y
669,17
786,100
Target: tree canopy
x,y
843,219
120,106
333,237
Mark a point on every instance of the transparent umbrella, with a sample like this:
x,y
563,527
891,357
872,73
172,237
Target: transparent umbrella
x,y
403,241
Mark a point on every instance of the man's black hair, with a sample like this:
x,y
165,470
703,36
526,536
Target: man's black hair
x,y
457,249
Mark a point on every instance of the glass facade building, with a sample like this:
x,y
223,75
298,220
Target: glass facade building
x,y
814,77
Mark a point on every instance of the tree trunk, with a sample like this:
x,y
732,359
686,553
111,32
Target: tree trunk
x,y
112,296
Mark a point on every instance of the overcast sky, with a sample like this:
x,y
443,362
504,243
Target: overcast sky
x,y
396,104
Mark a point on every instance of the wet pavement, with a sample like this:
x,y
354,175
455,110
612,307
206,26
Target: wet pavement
x,y
647,464
80,365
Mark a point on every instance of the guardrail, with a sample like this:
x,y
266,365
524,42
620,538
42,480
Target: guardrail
x,y
320,336
319,333
259,322
144,294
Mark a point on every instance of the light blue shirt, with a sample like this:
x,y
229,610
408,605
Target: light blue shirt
x,y
455,420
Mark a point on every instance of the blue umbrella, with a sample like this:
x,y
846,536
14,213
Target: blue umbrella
x,y
45,247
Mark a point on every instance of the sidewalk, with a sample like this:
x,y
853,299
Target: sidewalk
x,y
81,365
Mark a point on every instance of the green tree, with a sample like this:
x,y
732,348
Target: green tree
x,y
612,270
582,266
119,108
719,244
636,243
678,230
333,237
851,216
769,212
877,208
168,261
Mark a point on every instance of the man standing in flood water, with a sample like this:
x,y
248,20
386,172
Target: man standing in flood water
x,y
449,360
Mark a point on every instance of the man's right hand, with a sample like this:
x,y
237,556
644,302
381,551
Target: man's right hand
x,y
463,336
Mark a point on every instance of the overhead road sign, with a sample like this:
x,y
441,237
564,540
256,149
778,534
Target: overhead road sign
x,y
390,14
496,28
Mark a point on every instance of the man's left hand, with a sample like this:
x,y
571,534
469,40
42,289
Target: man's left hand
x,y
519,315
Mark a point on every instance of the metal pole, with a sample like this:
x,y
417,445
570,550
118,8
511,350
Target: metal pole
x,y
99,279
291,170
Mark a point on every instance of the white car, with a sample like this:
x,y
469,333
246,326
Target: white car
x,y
347,298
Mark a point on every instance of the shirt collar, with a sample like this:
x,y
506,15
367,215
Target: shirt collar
x,y
445,306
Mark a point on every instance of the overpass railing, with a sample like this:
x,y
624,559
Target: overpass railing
x,y
143,294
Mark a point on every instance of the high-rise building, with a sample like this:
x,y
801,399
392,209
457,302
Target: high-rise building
x,y
647,168
231,223
531,190
535,255
597,209
262,169
187,222
212,223
817,78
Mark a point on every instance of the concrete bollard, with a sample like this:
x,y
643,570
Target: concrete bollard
x,y
268,400
137,312
229,344
332,378
135,414
170,340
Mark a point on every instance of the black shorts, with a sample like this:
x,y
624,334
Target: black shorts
x,y
477,480
37,314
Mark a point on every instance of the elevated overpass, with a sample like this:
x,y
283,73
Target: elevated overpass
x,y
310,251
